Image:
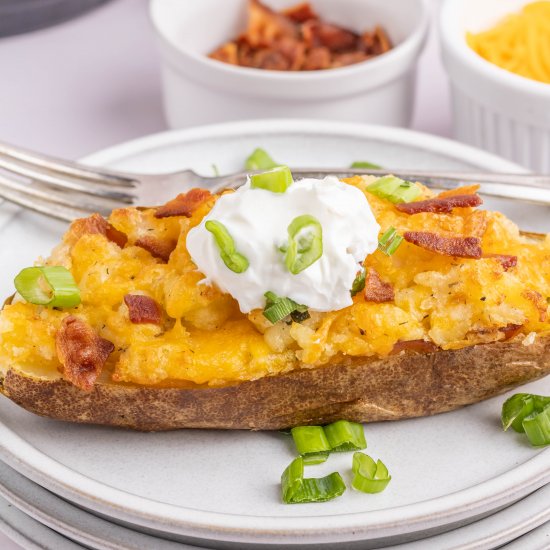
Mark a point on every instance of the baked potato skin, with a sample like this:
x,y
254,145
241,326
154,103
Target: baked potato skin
x,y
363,390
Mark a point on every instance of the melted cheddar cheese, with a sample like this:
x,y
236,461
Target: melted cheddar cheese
x,y
205,339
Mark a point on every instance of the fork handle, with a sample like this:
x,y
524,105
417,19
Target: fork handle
x,y
533,188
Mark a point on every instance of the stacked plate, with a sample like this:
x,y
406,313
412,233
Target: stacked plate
x,y
458,481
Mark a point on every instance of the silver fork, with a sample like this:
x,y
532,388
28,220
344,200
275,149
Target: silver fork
x,y
69,190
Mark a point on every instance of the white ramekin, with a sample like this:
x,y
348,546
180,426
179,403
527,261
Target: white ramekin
x,y
199,90
492,108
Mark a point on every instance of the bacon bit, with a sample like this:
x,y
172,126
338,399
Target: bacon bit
x,y
460,247
143,309
377,290
414,346
539,302
510,330
316,59
318,33
270,59
265,26
82,352
376,42
348,58
96,224
293,50
184,204
439,205
300,13
464,190
159,248
505,260
228,53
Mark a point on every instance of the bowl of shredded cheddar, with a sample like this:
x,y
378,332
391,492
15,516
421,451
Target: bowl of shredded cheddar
x,y
497,54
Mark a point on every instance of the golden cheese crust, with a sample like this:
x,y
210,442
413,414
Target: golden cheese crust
x,y
363,390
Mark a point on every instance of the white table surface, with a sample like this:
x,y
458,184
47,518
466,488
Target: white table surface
x,y
94,82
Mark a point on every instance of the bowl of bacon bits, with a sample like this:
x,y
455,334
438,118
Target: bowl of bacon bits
x,y
240,59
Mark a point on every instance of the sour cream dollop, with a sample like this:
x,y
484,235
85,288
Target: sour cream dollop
x,y
258,220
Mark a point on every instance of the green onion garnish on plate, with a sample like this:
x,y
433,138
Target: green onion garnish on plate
x,y
365,165
235,261
369,476
305,243
277,308
297,489
530,414
390,241
260,160
344,436
340,436
51,286
394,189
276,180
312,443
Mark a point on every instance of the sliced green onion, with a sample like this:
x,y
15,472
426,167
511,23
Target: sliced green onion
x,y
51,286
277,308
215,170
390,241
311,442
297,489
530,414
315,458
305,243
277,180
235,261
394,189
359,282
259,160
369,476
366,165
344,436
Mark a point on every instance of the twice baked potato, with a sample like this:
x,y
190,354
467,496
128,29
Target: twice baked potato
x,y
457,314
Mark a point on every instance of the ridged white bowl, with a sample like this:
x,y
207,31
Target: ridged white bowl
x,y
492,108
199,90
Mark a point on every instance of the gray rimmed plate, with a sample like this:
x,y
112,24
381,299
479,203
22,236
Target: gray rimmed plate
x,y
222,487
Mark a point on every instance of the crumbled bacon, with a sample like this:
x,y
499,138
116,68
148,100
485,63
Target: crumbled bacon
x,y
96,224
377,42
317,33
270,59
510,330
159,248
348,58
228,53
300,13
184,204
143,309
414,346
265,26
81,351
539,302
295,39
505,260
376,290
316,59
460,247
440,205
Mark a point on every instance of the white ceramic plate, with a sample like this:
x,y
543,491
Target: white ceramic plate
x,y
526,516
224,486
29,533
